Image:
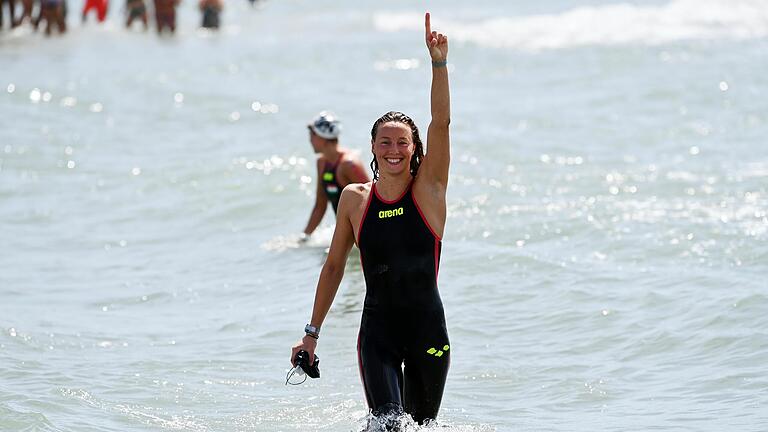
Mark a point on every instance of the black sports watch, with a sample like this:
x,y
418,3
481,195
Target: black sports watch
x,y
312,331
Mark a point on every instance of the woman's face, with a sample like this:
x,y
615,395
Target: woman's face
x,y
393,148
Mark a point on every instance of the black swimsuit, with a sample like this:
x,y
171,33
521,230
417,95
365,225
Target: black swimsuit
x,y
403,321
330,181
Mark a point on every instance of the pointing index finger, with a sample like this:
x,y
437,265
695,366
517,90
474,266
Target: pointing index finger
x,y
427,26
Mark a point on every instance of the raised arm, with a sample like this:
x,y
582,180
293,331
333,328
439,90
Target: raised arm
x,y
437,159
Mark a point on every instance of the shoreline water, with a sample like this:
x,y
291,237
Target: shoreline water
x,y
604,255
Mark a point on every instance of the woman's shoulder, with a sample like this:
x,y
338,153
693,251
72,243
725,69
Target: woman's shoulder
x,y
354,196
357,190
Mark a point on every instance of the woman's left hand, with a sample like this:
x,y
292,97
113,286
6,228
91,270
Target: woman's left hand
x,y
437,43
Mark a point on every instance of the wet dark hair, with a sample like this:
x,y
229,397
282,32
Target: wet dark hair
x,y
418,153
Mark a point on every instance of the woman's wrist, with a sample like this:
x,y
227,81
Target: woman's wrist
x,y
439,63
312,331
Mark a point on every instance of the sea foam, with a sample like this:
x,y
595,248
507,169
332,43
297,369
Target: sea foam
x,y
620,24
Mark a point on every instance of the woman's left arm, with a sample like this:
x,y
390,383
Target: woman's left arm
x,y
437,159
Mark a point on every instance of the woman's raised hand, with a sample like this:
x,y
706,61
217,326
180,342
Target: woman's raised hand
x,y
437,43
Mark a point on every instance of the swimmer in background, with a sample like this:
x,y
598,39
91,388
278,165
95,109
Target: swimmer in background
x,y
211,10
136,9
165,15
11,12
26,11
100,6
53,12
336,167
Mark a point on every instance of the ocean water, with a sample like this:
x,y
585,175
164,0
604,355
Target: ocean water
x,y
605,258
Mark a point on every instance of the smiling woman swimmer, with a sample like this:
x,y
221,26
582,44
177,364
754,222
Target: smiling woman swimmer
x,y
397,222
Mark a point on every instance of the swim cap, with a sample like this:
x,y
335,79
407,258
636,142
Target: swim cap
x,y
326,125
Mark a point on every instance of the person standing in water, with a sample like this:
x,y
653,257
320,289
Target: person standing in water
x,y
27,7
100,6
165,15
136,9
397,222
11,4
210,10
336,167
54,12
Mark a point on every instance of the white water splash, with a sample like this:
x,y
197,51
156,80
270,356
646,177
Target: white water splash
x,y
621,24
